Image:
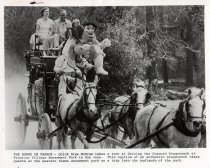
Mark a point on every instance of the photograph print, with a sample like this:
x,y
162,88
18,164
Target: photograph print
x,y
104,77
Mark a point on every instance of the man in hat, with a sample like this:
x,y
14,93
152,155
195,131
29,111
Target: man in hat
x,y
89,33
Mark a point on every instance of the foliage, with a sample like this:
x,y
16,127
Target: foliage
x,y
126,28
177,29
125,57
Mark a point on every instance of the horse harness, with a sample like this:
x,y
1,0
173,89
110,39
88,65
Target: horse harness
x,y
177,122
133,107
158,125
84,105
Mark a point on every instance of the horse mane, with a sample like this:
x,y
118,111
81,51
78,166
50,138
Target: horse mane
x,y
132,109
133,103
91,74
80,108
179,112
148,96
179,122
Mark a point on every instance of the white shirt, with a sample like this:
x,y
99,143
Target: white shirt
x,y
44,27
61,27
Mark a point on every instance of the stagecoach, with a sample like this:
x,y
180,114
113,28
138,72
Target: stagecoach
x,y
28,107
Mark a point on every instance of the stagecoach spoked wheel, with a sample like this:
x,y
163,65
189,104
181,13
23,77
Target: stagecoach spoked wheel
x,y
20,119
44,128
105,143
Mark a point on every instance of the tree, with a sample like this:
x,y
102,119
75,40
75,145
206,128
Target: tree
x,y
164,61
195,41
138,34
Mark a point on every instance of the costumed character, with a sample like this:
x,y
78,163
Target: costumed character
x,y
94,53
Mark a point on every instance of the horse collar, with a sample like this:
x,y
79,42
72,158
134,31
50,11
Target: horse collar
x,y
179,123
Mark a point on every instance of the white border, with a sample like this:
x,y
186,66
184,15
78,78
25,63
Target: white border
x,y
102,2
6,155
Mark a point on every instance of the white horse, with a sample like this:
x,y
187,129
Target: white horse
x,y
81,111
87,114
187,122
125,113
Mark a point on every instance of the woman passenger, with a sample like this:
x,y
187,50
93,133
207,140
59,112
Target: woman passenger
x,y
44,28
44,25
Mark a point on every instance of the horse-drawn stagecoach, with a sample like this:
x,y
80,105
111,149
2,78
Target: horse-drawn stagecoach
x,y
41,106
42,101
44,92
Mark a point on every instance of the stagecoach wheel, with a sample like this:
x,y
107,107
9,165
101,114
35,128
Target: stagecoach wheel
x,y
105,143
20,119
44,128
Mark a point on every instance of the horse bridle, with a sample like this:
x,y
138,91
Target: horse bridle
x,y
144,103
189,116
87,95
86,103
